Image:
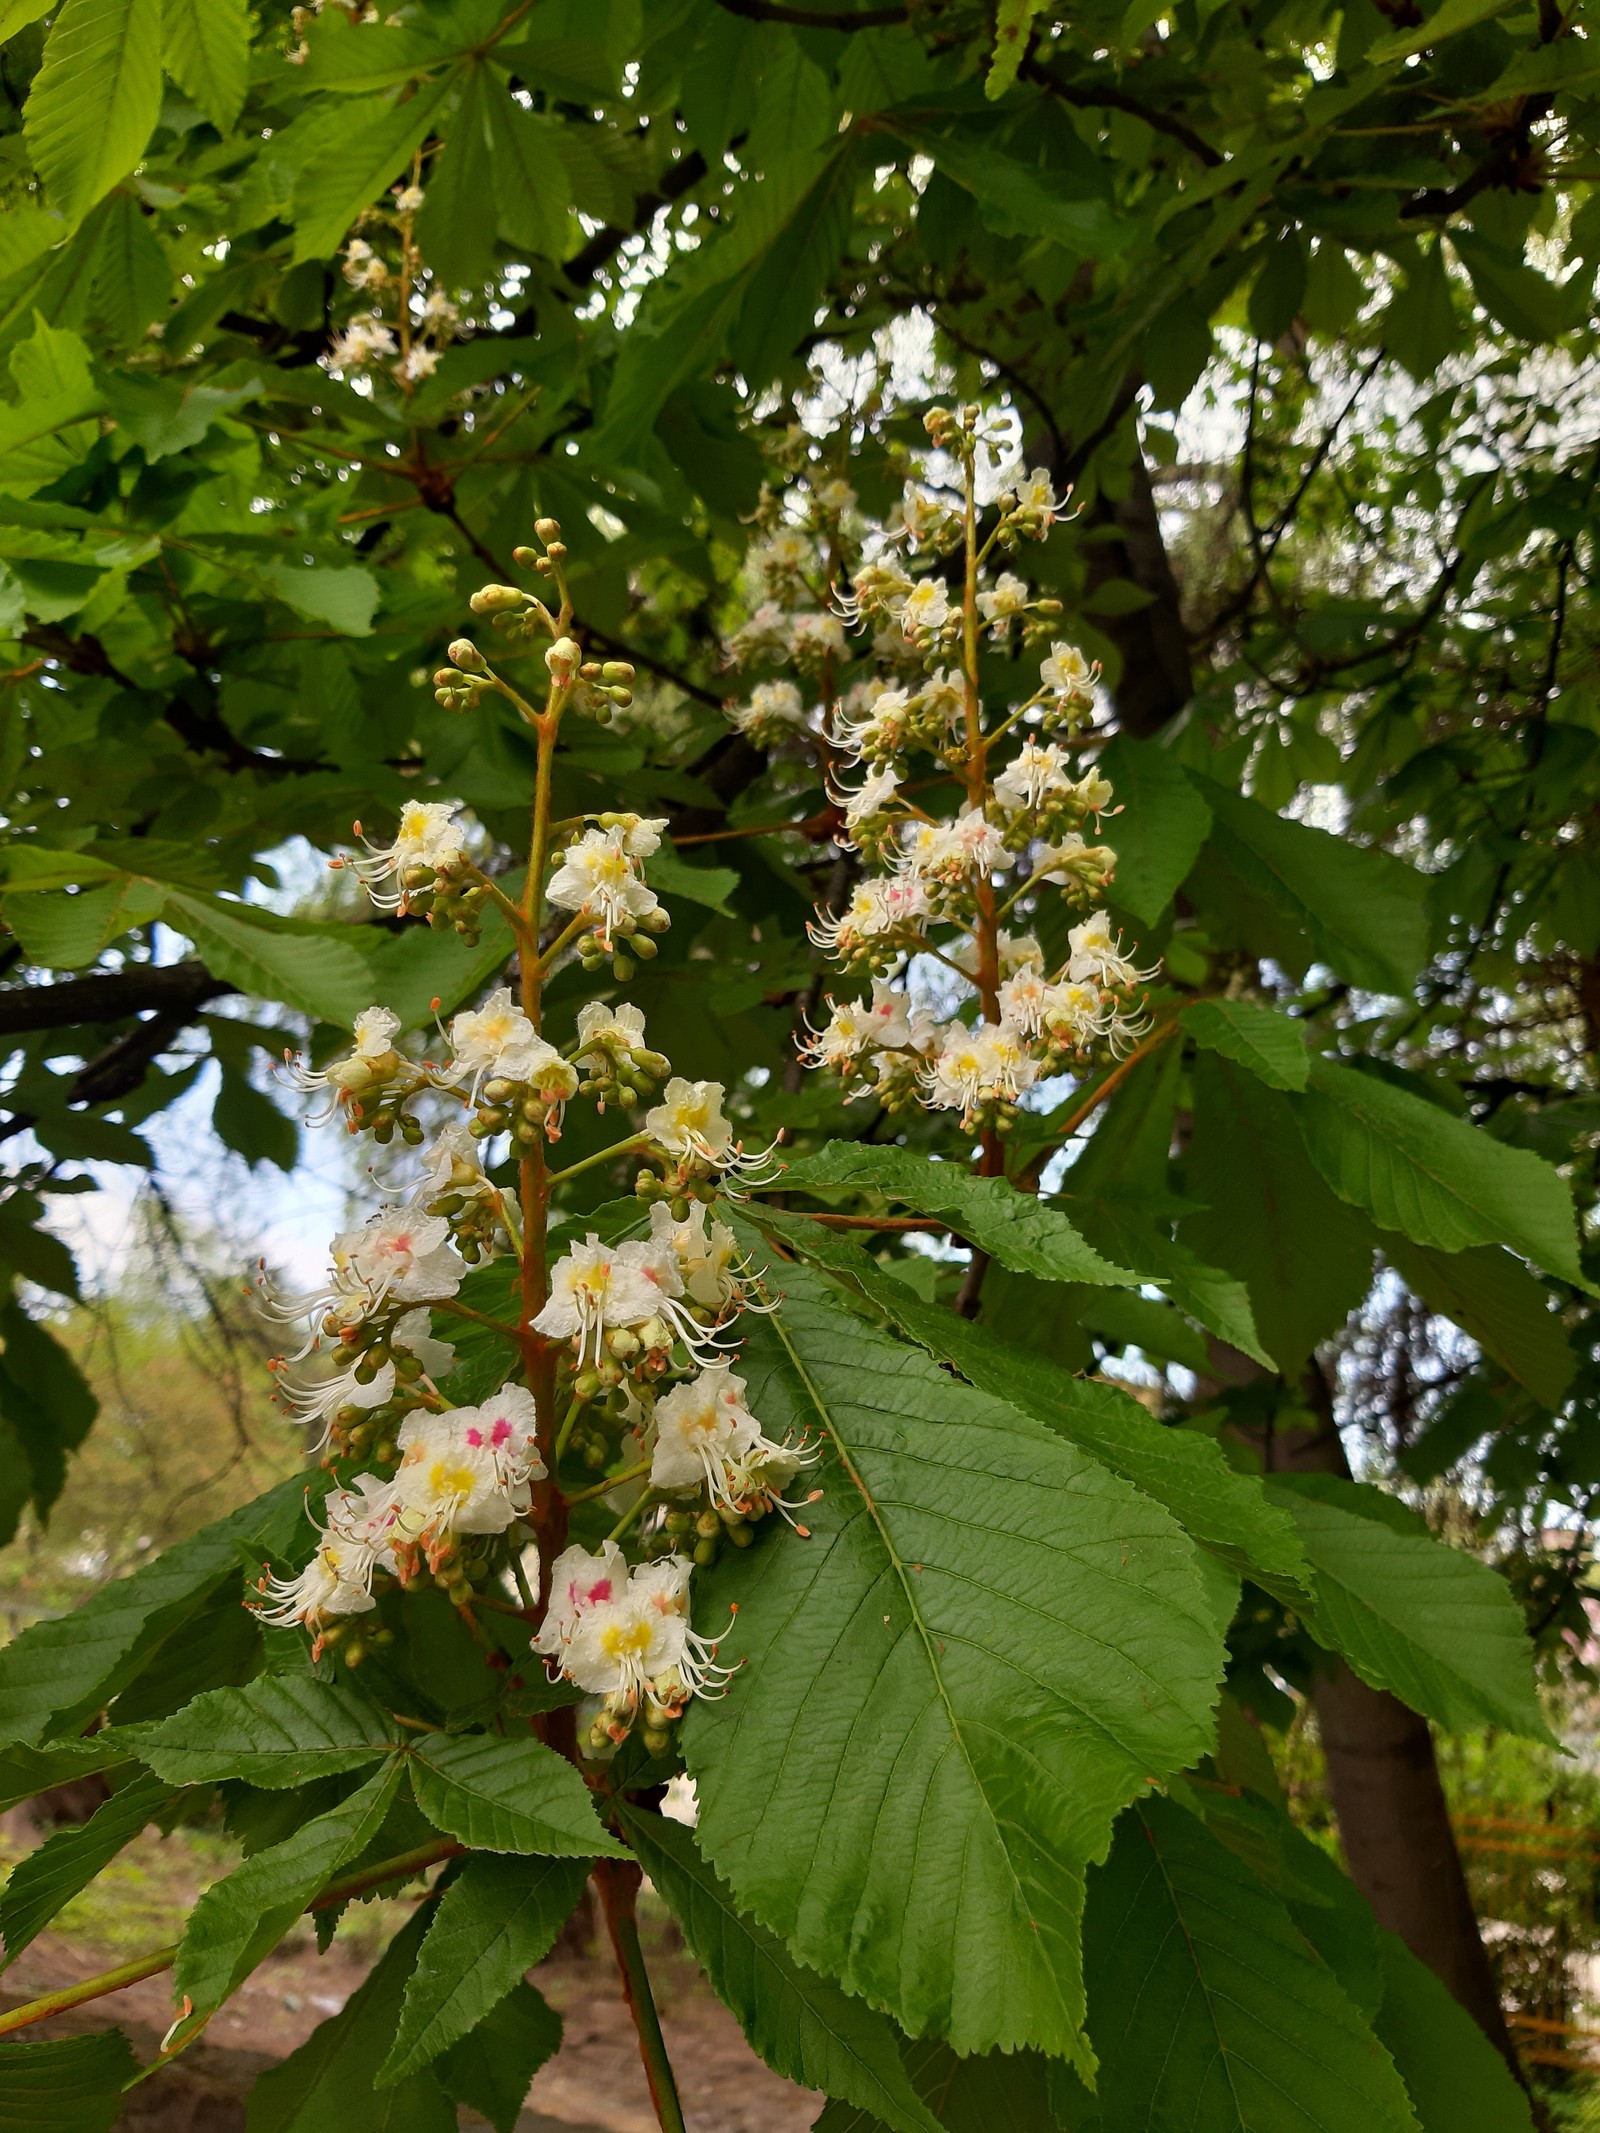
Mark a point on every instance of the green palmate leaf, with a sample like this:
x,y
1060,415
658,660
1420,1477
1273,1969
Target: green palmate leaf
x,y
51,1876
1011,1226
57,1672
65,2085
457,236
1015,199
1457,2081
1422,325
507,1796
1268,1217
675,876
1161,829
242,1918
987,1644
1271,1045
1187,1473
327,2086
491,2069
1362,911
784,293
1440,1182
802,2025
206,50
273,959
280,1730
1012,22
1022,2090
1210,1295
1207,2007
25,1771
1493,1297
533,192
94,101
1431,1623
346,597
496,1920
68,932
46,1399
378,142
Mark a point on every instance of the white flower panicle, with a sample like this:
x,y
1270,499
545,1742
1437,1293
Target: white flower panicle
x,y
620,1341
993,825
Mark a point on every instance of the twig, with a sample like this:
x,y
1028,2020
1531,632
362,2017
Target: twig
x,y
618,1882
399,1868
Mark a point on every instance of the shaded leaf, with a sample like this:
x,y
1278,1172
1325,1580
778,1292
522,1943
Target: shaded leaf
x,y
1417,1169
66,2084
1410,1614
1271,1045
802,2025
1209,2009
494,1922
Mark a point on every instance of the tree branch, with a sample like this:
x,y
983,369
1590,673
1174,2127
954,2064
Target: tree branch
x,y
817,18
169,988
1096,96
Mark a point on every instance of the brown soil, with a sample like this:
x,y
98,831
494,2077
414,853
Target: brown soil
x,y
595,2083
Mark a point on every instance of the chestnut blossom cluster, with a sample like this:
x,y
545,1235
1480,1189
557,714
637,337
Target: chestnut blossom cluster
x,y
638,1328
408,322
950,719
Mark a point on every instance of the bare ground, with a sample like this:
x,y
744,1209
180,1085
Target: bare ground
x,y
595,2083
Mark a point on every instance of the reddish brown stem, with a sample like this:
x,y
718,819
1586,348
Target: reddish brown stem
x,y
618,1882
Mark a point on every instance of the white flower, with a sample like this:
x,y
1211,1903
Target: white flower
x,y
418,363
1007,597
363,269
362,342
1067,673
336,1581
815,640
834,496
875,792
321,1399
688,1121
881,732
775,710
429,837
927,520
467,1470
604,1029
399,1257
787,552
766,635
925,607
439,312
854,1028
626,1636
952,852
1074,1011
407,199
706,1254
453,1164
1036,500
598,879
595,1288
943,697
370,1062
1036,773
878,909
707,1436
978,1066
1097,954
